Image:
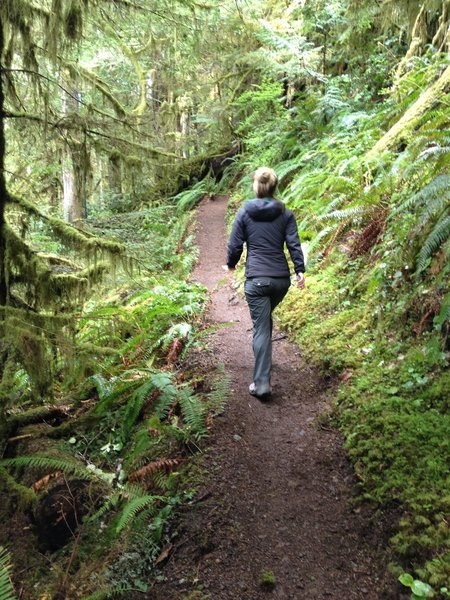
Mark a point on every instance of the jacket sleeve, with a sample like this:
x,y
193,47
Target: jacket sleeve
x,y
293,244
237,239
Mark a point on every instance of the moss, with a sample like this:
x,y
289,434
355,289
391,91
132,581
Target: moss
x,y
333,332
24,496
267,579
73,237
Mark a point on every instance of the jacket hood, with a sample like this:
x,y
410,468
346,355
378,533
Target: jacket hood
x,y
264,209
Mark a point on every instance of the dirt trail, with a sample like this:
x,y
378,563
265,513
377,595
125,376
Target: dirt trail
x,y
279,484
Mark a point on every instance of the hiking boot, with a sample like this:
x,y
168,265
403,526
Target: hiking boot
x,y
261,394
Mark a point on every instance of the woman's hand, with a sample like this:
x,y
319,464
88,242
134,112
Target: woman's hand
x,y
300,281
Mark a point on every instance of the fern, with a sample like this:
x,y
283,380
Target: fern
x,y
102,385
6,587
438,187
319,237
434,152
133,508
180,330
435,206
68,466
220,392
158,381
444,313
110,504
134,407
437,237
165,464
121,392
164,383
288,166
341,215
112,592
188,199
194,412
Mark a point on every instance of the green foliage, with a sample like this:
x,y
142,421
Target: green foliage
x,y
433,242
220,391
111,592
187,199
418,588
133,507
66,464
6,587
193,411
267,580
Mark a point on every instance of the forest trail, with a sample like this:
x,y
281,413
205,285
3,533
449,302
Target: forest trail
x,y
279,484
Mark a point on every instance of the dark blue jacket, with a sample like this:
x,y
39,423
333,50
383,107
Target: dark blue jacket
x,y
264,224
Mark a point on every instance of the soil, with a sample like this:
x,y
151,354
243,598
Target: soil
x,y
278,496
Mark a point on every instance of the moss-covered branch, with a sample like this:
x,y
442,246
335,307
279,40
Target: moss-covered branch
x,y
37,415
403,127
102,87
67,233
70,123
129,53
25,496
442,35
418,41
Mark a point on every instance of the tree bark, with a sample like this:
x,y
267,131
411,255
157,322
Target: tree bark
x,y
115,174
3,192
3,266
74,165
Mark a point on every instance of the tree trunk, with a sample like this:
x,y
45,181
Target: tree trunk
x,y
69,199
75,164
184,106
3,267
3,192
115,173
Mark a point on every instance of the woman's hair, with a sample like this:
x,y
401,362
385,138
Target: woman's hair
x,y
264,182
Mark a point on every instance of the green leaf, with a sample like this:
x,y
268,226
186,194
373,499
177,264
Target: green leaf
x,y
6,588
421,589
406,579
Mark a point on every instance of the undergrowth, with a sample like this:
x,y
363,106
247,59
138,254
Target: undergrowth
x,y
130,411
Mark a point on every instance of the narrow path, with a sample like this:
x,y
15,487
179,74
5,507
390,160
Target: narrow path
x,y
278,493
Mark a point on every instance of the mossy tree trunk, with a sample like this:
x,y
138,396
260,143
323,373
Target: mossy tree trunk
x,y
3,193
75,161
115,173
3,198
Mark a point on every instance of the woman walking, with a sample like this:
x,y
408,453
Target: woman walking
x,y
265,225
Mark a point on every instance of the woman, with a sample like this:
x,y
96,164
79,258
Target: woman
x,y
265,225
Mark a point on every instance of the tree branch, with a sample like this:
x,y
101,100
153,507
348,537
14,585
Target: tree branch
x,y
64,124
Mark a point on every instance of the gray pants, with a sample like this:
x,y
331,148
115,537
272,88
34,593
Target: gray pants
x,y
263,294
